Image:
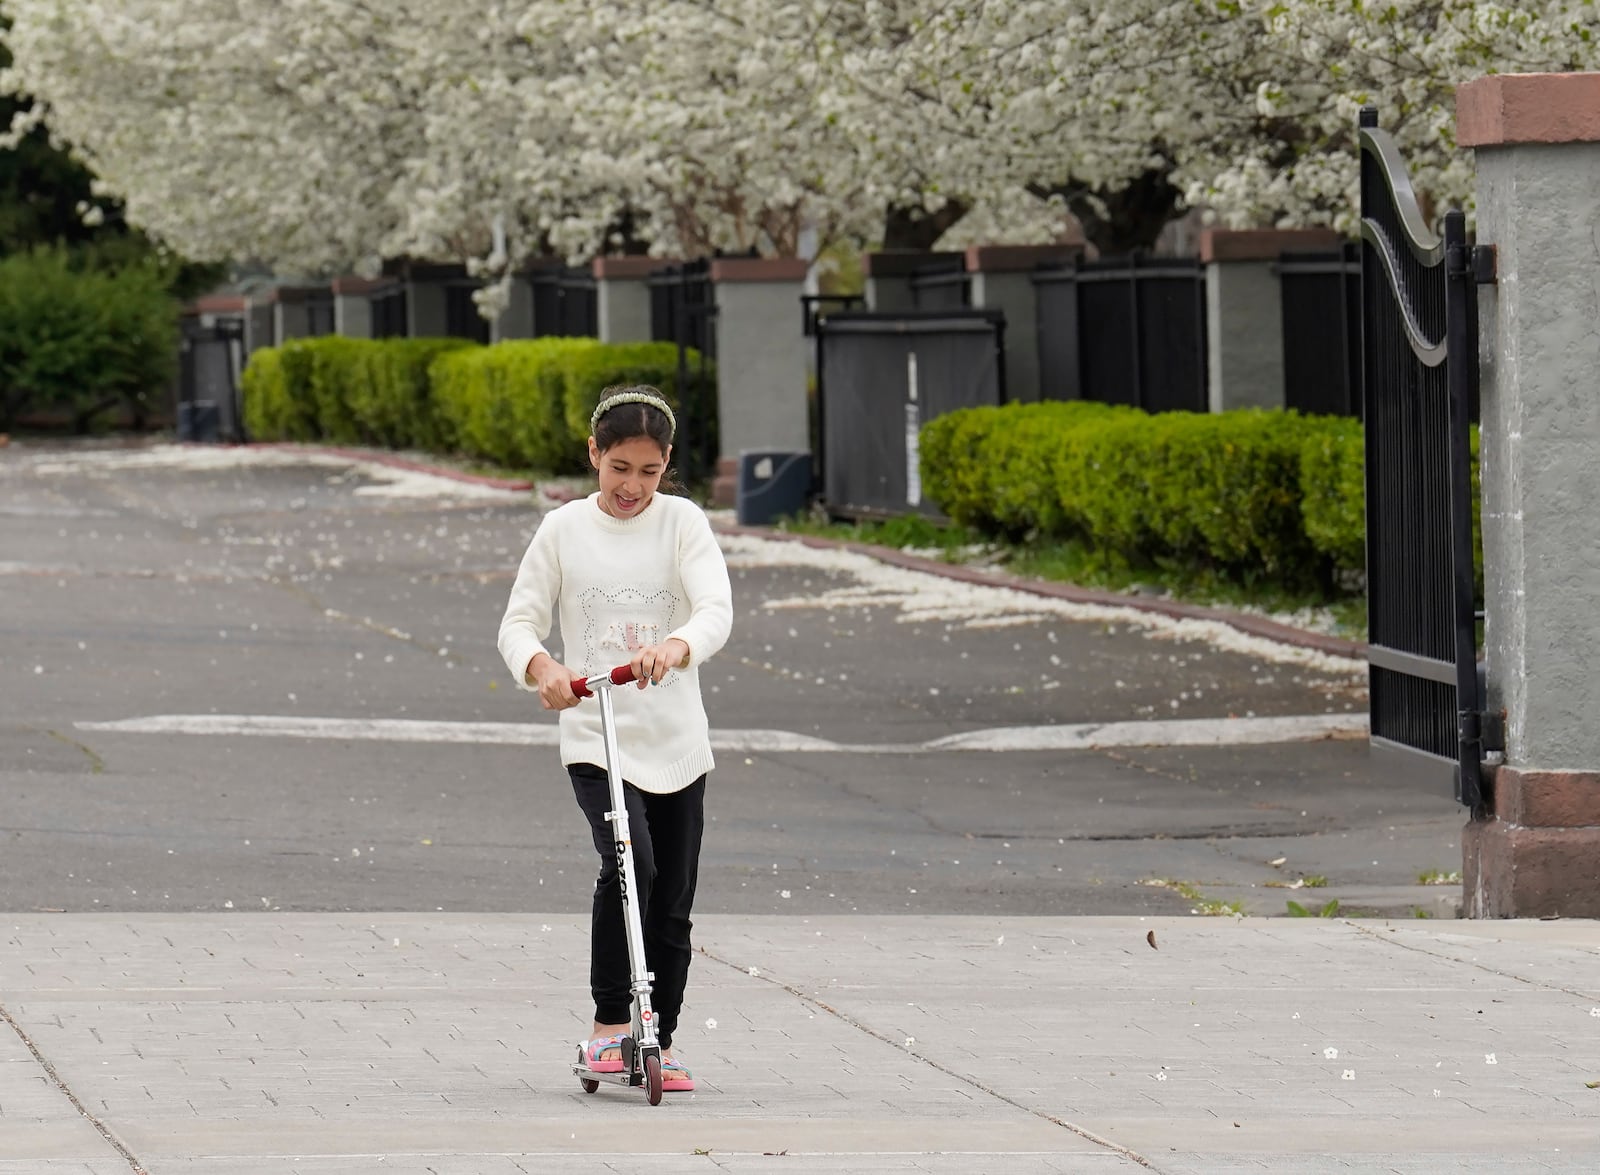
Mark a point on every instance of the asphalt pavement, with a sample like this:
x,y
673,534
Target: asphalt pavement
x,y
296,887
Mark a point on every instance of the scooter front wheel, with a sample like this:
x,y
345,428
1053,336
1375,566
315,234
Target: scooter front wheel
x,y
589,1084
652,1079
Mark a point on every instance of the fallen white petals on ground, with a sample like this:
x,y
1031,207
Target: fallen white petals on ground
x,y
393,481
922,598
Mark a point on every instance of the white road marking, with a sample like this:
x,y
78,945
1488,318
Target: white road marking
x,y
1193,732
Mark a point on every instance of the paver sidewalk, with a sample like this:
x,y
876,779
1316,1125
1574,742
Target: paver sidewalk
x,y
313,1044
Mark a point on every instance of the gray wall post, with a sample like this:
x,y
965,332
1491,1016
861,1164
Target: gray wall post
x,y
761,362
888,274
1002,279
1244,311
516,320
352,306
1535,850
290,319
622,297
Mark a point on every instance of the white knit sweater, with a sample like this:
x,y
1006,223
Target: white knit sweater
x,y
621,584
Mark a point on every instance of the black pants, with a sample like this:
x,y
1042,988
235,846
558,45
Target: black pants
x,y
666,831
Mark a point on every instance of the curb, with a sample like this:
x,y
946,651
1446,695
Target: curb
x,y
1259,626
379,457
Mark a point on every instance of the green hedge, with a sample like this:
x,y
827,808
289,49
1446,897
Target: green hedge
x,y
1251,493
523,404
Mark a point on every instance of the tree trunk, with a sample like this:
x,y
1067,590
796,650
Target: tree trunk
x,y
1134,214
906,227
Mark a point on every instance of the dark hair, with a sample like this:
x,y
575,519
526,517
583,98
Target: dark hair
x,y
632,419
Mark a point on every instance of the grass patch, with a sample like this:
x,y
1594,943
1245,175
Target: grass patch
x,y
1208,907
1439,877
1329,910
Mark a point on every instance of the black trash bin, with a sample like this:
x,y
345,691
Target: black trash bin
x,y
771,485
199,420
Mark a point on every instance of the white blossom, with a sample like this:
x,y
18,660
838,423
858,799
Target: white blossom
x,y
327,135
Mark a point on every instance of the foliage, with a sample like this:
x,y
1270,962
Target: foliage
x,y
1195,488
319,134
1250,495
1333,492
520,404
81,341
1330,909
507,403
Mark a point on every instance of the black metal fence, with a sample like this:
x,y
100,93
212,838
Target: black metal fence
x,y
461,317
1419,373
566,303
389,312
683,310
1126,330
880,377
320,318
813,306
943,283
1321,301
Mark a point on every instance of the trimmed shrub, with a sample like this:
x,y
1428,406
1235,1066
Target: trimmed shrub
x,y
588,373
507,403
1333,491
996,469
340,375
523,404
1220,491
393,403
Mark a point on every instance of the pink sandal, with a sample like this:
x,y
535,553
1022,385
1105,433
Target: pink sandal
x,y
591,1050
675,1078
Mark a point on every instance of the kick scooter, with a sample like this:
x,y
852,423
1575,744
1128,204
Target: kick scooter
x,y
641,1051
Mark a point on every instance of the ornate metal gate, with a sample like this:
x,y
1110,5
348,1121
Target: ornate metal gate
x,y
1419,382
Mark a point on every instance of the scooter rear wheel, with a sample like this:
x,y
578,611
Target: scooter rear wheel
x,y
652,1079
589,1084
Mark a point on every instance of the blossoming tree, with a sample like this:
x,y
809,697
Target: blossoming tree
x,y
329,134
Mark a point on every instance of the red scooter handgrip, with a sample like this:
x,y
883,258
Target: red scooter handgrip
x,y
621,675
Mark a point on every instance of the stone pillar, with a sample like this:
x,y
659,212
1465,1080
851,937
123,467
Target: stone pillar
x,y
428,299
1244,311
623,296
1002,279
761,362
516,320
259,325
352,305
291,317
1534,848
888,276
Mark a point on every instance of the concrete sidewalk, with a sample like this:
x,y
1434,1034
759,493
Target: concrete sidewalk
x,y
310,1044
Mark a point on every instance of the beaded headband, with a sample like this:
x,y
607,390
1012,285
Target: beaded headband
x,y
654,401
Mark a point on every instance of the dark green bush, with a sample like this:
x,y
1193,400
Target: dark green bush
x,y
82,341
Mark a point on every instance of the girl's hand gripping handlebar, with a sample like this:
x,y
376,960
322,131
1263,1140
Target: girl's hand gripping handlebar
x,y
585,687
